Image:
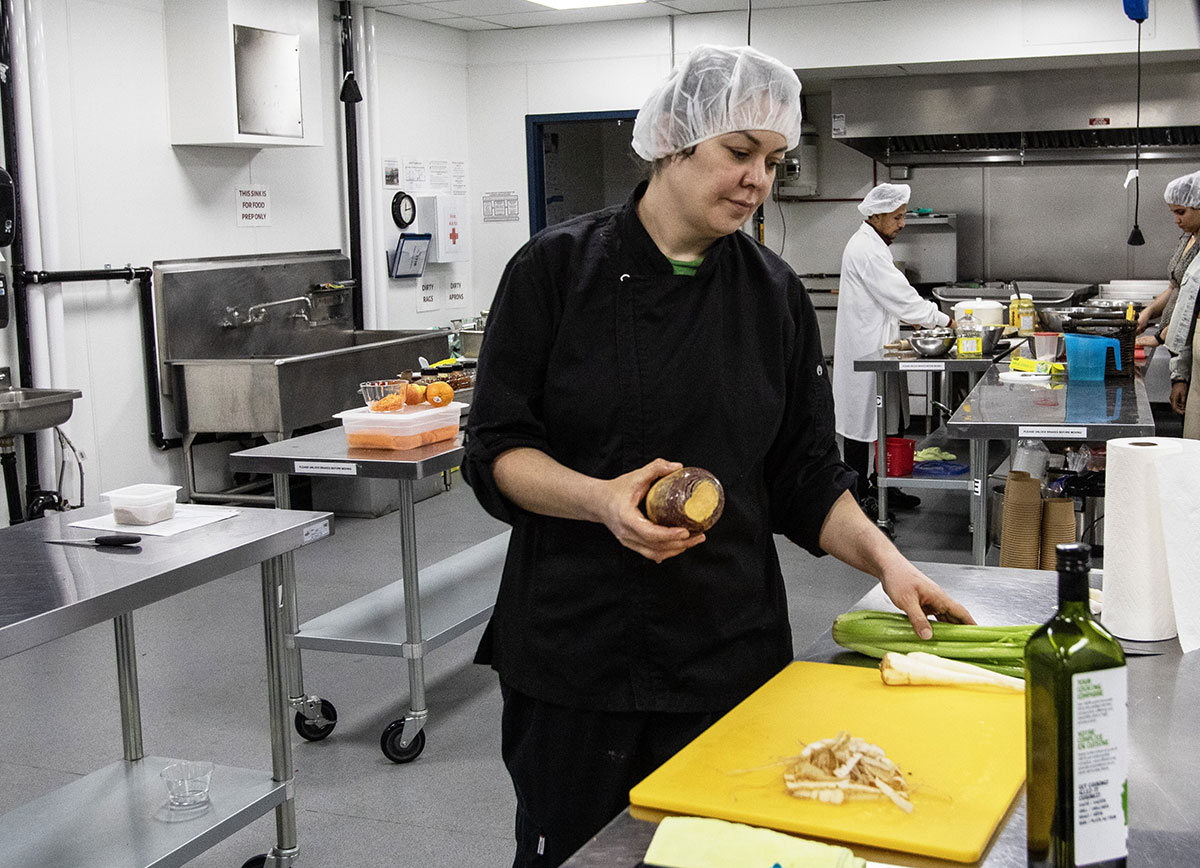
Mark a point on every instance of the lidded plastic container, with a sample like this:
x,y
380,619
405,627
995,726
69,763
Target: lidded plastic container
x,y
142,504
416,426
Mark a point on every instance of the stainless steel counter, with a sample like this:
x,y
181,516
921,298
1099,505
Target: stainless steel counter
x,y
1083,410
118,815
1059,410
1164,705
48,591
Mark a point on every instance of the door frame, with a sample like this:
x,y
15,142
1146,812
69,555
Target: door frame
x,y
535,163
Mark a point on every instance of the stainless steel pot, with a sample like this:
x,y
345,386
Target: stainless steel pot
x,y
472,340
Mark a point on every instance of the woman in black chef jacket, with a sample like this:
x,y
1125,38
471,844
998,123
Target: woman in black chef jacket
x,y
622,345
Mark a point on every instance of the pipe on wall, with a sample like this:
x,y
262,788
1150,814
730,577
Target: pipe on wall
x,y
144,277
350,96
375,273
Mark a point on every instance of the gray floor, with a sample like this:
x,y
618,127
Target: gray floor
x,y
203,693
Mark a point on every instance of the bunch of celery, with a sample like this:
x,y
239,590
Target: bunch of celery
x,y
1000,649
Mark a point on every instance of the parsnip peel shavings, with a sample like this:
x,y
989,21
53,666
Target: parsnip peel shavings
x,y
843,768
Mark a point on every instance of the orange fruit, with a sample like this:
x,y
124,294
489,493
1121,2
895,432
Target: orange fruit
x,y
439,394
414,394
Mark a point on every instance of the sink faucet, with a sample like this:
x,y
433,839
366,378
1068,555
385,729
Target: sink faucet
x,y
5,379
256,313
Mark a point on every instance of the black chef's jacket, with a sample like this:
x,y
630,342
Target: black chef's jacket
x,y
598,355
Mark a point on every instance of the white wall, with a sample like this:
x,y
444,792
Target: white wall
x,y
421,83
585,67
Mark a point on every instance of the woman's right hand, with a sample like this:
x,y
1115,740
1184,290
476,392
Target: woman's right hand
x,y
630,526
1179,392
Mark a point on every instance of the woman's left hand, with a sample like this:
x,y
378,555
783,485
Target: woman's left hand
x,y
919,596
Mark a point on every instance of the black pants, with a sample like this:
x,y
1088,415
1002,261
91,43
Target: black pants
x,y
572,770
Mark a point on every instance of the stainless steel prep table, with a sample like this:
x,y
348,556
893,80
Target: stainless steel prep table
x,y
1164,758
459,592
1060,410
885,364
48,591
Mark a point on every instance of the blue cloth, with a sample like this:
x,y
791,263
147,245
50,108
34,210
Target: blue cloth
x,y
940,468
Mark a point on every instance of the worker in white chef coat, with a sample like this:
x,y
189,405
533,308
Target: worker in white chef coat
x,y
873,299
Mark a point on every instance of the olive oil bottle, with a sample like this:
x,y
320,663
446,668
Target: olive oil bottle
x,y
1076,732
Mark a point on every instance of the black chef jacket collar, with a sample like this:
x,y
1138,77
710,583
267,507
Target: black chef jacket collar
x,y
641,248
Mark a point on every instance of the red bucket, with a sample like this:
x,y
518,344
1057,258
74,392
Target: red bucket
x,y
900,456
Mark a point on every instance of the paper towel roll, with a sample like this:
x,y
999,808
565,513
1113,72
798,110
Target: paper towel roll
x,y
1151,544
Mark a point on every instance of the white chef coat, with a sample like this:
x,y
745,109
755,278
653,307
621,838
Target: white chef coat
x,y
873,299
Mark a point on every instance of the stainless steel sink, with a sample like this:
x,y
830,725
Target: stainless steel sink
x,y
266,393
23,411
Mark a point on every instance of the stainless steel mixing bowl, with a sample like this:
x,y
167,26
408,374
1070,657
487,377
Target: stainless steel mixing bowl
x,y
932,342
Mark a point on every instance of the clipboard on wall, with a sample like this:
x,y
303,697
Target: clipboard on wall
x,y
412,251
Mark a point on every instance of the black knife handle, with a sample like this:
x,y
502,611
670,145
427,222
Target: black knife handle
x,y
117,539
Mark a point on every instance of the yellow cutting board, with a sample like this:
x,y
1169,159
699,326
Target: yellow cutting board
x,y
962,750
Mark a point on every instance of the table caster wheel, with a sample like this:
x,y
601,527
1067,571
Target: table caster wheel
x,y
313,731
389,743
255,861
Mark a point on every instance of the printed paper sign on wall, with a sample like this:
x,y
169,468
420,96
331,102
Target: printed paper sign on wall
x,y
430,293
253,205
501,207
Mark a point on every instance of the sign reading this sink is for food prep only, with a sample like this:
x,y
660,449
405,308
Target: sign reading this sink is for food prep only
x,y
253,205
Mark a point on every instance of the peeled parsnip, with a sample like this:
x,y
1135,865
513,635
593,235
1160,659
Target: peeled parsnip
x,y
919,667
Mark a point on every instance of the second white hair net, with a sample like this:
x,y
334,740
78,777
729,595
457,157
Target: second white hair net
x,y
884,199
1184,191
715,91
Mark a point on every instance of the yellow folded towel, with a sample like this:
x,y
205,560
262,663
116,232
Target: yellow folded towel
x,y
1038,367
699,842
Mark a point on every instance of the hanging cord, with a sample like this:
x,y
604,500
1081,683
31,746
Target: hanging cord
x,y
782,225
749,12
1136,238
64,443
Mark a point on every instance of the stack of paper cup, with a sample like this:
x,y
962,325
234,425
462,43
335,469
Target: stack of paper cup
x,y
1021,531
1152,539
1058,526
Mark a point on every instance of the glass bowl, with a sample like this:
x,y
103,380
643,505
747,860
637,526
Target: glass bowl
x,y
187,783
375,391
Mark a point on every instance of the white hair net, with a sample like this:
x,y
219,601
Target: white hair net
x,y
1184,191
716,91
884,199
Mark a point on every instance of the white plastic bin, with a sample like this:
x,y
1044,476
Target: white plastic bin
x,y
416,426
145,503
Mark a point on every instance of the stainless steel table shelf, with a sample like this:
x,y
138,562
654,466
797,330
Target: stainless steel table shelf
x,y
1061,410
118,816
408,618
1164,760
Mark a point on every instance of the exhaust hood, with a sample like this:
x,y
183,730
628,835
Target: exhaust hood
x,y
1046,116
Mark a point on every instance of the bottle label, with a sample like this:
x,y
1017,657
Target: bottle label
x,y
1100,730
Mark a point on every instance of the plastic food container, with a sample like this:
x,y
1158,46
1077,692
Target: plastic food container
x,y
146,503
416,426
